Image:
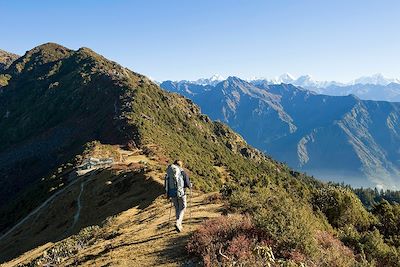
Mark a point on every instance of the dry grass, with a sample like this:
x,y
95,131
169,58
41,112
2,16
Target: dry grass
x,y
138,234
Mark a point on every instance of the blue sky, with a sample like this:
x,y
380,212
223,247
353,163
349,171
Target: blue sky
x,y
187,39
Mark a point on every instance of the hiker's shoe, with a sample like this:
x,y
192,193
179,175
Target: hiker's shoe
x,y
178,227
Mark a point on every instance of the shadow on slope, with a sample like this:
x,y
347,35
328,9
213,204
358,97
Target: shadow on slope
x,y
89,201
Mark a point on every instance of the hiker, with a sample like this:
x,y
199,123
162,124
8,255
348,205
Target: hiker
x,y
176,180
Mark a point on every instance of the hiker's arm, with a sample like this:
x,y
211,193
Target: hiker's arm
x,y
186,180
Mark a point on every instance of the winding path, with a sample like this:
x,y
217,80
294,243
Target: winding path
x,y
78,211
38,209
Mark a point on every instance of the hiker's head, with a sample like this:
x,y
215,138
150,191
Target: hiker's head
x,y
178,162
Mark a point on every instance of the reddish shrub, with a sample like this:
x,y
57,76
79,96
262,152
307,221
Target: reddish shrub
x,y
297,256
333,252
225,239
240,248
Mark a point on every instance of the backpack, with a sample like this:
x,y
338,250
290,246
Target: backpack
x,y
175,183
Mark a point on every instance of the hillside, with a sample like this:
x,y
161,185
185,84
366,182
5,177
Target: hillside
x,y
58,101
64,107
129,215
340,138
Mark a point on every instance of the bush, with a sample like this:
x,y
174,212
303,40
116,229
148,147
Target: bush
x,y
290,225
389,219
377,250
341,207
227,240
371,247
332,252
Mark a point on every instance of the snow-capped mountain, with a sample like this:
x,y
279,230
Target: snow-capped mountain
x,y
213,80
308,81
374,87
284,78
305,81
376,79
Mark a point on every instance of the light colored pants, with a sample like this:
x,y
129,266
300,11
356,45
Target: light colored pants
x,y
180,207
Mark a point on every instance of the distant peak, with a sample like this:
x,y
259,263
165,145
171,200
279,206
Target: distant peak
x,y
286,76
375,79
305,77
233,78
216,77
213,80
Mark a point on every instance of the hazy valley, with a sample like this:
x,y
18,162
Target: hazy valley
x,y
338,138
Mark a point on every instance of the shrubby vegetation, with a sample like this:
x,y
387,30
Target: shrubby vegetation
x,y
341,207
235,240
227,240
327,227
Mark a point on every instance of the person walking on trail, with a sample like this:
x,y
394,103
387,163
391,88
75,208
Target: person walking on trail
x,y
176,180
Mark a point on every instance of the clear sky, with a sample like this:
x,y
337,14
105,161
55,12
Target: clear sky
x,y
188,39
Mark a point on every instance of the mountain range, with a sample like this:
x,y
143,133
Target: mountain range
x,y
374,87
308,81
339,138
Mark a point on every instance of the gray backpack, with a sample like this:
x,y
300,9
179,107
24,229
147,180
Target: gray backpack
x,y
175,185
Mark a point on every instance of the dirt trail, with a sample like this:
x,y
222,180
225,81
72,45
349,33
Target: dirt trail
x,y
146,239
38,209
78,201
141,237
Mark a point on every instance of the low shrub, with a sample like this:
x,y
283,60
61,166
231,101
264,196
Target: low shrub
x,y
332,252
341,207
377,250
227,240
289,224
370,247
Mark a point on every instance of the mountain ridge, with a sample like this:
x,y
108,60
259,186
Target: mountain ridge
x,y
289,119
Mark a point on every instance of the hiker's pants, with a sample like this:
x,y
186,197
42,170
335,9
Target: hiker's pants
x,y
180,207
